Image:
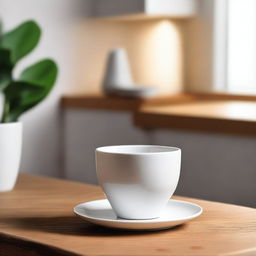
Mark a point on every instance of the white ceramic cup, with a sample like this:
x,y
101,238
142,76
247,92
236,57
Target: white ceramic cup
x,y
138,180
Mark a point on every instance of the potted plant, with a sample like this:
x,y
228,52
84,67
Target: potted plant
x,y
19,94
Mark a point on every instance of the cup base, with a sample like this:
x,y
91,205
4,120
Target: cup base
x,y
149,218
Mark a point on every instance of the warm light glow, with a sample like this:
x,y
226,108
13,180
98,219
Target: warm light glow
x,y
161,57
154,48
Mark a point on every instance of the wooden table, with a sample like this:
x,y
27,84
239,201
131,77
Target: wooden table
x,y
36,218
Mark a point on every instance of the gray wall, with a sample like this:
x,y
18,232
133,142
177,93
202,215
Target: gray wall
x,y
214,166
86,130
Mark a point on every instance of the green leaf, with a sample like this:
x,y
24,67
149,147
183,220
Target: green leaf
x,y
22,94
5,79
21,40
5,68
34,85
5,58
42,73
20,97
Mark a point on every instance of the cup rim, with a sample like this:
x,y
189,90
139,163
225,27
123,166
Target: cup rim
x,y
162,150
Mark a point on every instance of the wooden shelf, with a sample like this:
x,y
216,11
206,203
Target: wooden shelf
x,y
103,102
234,117
221,113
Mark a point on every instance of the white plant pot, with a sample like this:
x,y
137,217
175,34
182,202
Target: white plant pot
x,y
10,154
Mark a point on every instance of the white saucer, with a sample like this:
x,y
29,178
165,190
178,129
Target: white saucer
x,y
100,212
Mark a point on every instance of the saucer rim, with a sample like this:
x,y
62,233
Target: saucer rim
x,y
140,221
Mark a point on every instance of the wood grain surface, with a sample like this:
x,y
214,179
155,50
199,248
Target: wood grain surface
x,y
216,112
224,96
104,102
231,117
36,218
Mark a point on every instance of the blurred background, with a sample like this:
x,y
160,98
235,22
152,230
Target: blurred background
x,y
200,49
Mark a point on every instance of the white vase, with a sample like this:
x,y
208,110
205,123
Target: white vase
x,y
10,154
118,79
118,73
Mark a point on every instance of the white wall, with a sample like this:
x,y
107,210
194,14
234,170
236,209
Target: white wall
x,y
214,166
199,49
42,129
80,46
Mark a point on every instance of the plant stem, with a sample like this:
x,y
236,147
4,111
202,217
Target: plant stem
x,y
5,112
